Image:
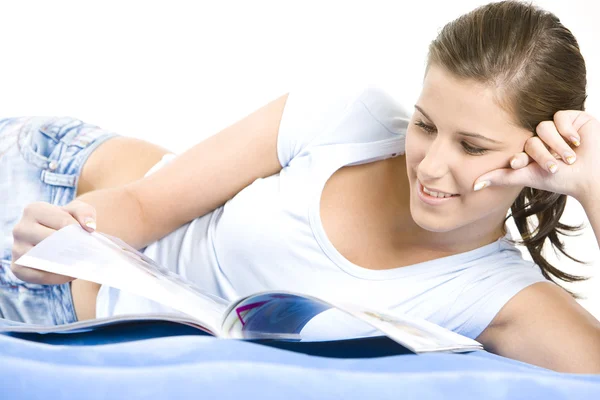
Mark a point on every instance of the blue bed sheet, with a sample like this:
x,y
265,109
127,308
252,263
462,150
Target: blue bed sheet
x,y
170,361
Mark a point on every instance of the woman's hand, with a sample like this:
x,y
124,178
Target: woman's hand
x,y
562,158
39,221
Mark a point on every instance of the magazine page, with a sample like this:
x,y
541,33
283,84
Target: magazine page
x,y
417,335
283,315
107,260
92,324
271,315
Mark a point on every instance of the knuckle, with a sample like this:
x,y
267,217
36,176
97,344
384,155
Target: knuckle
x,y
561,114
33,208
18,250
544,127
15,253
77,208
530,144
29,208
16,229
522,159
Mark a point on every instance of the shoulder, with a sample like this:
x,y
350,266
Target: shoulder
x,y
486,285
335,114
539,296
543,325
332,102
387,109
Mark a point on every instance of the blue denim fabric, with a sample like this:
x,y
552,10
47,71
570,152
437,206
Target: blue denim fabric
x,y
41,159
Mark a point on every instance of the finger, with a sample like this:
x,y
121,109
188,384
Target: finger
x,y
549,134
31,233
48,215
536,149
520,160
30,274
564,121
527,176
37,276
84,213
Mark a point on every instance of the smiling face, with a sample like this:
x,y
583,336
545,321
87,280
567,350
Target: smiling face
x,y
456,134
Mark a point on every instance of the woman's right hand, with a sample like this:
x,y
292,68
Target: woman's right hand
x,y
40,220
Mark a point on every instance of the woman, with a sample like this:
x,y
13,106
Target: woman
x,y
342,193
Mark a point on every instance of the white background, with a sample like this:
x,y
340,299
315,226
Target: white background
x,y
175,72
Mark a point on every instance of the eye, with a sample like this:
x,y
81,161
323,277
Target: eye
x,y
473,150
466,146
425,127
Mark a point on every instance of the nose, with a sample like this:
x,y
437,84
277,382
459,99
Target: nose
x,y
435,164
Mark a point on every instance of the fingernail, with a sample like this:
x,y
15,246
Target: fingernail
x,y
575,141
514,163
552,167
90,223
481,185
569,158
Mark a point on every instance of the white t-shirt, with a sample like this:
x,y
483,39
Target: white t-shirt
x,y
270,236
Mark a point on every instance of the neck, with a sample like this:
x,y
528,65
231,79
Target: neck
x,y
460,240
457,241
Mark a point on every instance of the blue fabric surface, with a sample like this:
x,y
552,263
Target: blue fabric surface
x,y
163,360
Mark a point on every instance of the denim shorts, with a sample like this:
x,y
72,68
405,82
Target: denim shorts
x,y
41,159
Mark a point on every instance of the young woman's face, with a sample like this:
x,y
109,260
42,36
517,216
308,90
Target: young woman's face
x,y
456,134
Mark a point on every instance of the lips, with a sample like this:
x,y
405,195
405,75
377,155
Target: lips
x,y
432,197
436,193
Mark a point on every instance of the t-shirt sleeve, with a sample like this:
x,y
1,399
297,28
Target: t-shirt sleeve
x,y
167,158
321,116
481,302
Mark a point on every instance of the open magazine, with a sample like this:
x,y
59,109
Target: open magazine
x,y
282,315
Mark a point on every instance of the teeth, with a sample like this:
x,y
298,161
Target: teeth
x,y
435,194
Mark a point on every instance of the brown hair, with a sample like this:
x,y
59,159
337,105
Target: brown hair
x,y
536,65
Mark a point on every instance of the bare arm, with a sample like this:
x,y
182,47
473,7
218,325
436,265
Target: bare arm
x,y
191,185
196,182
141,210
543,325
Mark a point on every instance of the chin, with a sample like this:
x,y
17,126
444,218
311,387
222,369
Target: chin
x,y
434,226
433,223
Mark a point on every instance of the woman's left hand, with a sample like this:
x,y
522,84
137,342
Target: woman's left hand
x,y
563,158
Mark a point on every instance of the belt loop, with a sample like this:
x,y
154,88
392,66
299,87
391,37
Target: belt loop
x,y
55,179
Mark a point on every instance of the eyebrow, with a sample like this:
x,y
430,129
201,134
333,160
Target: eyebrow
x,y
473,135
